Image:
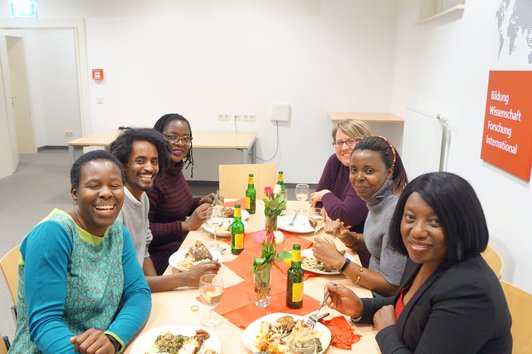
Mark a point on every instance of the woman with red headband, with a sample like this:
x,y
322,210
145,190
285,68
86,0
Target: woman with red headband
x,y
378,177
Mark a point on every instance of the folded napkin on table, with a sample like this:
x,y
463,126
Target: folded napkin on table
x,y
342,332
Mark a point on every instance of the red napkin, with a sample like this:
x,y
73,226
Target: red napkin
x,y
237,302
241,201
342,333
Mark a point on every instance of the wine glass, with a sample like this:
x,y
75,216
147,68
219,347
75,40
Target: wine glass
x,y
302,194
316,219
211,289
215,220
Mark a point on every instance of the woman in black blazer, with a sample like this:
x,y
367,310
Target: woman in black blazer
x,y
450,300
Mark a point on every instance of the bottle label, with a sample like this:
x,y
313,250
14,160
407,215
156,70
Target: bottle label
x,y
239,241
296,255
237,213
280,177
250,180
248,203
297,292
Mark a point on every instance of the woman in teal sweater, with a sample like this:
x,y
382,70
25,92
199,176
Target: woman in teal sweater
x,y
81,288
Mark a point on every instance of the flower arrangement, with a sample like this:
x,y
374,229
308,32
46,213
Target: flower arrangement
x,y
269,252
275,201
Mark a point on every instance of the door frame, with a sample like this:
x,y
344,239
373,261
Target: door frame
x,y
20,36
80,47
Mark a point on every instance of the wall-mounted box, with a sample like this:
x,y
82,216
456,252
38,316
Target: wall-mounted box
x,y
280,112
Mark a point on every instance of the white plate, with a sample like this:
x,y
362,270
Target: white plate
x,y
251,332
225,233
308,253
144,344
301,224
180,255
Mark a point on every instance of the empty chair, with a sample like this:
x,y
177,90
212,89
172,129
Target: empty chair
x,y
520,304
234,179
9,266
494,260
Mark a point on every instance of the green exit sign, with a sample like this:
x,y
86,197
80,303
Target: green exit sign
x,y
23,8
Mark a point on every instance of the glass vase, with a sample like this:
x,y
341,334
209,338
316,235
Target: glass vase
x,y
271,224
262,285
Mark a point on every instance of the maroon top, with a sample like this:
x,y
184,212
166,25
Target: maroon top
x,y
343,203
171,201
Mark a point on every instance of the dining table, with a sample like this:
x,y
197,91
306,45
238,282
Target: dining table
x,y
181,306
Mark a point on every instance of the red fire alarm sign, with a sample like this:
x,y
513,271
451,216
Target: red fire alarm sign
x,y
97,74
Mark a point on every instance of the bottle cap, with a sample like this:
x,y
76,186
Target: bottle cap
x,y
296,246
237,205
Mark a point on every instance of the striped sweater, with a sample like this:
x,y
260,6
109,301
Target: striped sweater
x,y
171,201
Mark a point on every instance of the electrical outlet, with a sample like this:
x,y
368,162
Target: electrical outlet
x,y
223,117
249,118
69,133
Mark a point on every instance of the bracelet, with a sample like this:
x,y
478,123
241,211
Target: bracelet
x,y
355,320
361,270
346,263
115,343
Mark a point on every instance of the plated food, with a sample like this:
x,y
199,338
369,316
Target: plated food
x,y
186,258
311,264
177,340
271,333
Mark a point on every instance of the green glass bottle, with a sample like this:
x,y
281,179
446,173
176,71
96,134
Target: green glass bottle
x,y
294,279
280,182
251,195
237,232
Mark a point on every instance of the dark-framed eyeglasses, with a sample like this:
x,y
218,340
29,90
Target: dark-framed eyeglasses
x,y
349,142
172,138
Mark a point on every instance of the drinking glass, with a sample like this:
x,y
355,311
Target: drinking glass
x,y
215,220
302,194
316,219
211,289
300,347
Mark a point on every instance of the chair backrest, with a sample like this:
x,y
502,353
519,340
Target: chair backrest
x,y
234,179
9,266
494,260
520,304
3,347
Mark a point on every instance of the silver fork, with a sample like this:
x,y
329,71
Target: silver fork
x,y
293,219
311,321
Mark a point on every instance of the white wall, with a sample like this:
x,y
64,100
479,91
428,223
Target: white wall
x,y
203,58
443,66
53,83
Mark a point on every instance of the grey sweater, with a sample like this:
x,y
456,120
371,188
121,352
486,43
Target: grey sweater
x,y
383,259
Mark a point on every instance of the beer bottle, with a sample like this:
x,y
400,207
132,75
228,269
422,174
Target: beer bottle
x,y
294,279
280,182
237,232
251,195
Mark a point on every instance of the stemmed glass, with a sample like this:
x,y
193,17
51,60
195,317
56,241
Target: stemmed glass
x,y
316,219
302,194
215,220
211,289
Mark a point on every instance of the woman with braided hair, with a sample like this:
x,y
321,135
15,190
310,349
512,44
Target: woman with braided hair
x,y
171,199
378,177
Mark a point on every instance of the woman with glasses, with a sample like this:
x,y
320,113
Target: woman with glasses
x,y
378,177
171,200
334,191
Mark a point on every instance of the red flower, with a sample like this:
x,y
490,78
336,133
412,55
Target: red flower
x,y
270,238
268,191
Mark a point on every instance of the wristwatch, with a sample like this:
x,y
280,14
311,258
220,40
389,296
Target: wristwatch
x,y
114,342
